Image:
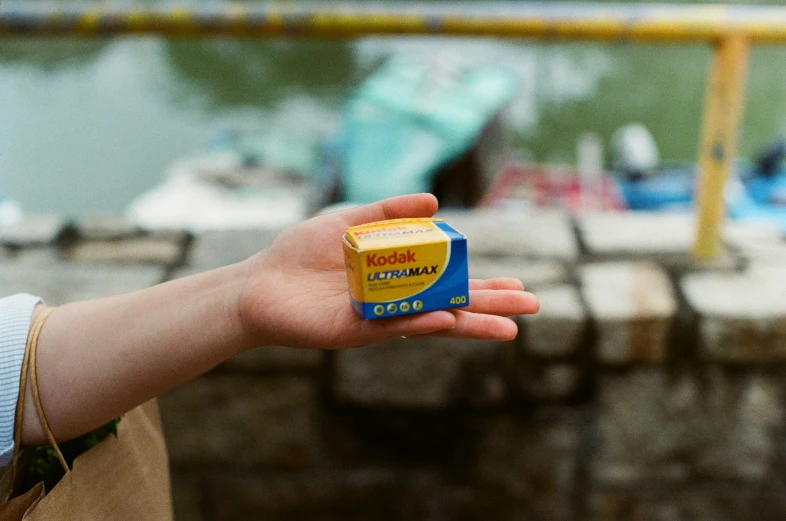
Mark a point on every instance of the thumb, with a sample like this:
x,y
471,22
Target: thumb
x,y
415,205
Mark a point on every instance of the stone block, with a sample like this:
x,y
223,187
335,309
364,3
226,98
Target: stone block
x,y
325,495
242,422
529,464
637,234
534,274
179,273
62,283
549,381
213,249
431,494
739,234
43,256
652,426
32,231
106,228
558,328
540,235
188,497
276,358
662,237
760,243
423,373
717,502
139,250
633,306
741,316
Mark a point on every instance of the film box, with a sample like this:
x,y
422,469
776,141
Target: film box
x,y
405,266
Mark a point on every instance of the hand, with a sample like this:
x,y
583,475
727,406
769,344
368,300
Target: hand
x,y
296,290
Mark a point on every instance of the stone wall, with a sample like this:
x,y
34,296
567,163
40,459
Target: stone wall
x,y
648,388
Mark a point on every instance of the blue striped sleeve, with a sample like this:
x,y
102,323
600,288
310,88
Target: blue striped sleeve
x,y
15,314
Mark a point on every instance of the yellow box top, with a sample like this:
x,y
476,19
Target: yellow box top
x,y
395,232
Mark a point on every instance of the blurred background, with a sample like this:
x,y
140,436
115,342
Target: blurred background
x,y
650,387
115,114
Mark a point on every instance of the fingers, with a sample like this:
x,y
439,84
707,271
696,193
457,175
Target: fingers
x,y
477,326
412,325
496,283
503,302
416,205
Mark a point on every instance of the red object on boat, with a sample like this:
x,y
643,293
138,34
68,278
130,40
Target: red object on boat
x,y
552,186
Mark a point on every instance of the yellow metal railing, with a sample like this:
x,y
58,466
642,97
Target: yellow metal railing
x,y
730,29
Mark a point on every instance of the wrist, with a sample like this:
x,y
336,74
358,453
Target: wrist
x,y
254,301
234,298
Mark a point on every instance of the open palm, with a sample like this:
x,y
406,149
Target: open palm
x,y
296,293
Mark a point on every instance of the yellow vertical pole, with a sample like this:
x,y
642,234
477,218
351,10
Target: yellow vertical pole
x,y
718,145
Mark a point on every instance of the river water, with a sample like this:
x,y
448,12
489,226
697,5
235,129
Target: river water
x,y
87,125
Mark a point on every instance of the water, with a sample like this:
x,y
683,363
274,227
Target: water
x,y
87,125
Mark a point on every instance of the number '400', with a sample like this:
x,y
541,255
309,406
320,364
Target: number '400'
x,y
459,300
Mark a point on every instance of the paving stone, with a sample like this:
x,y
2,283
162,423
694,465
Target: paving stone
x,y
276,358
534,274
423,373
532,462
106,227
633,306
325,495
742,316
674,428
541,235
213,249
242,422
558,328
32,231
132,251
62,283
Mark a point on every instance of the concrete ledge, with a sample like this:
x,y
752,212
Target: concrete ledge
x,y
541,235
32,231
742,316
557,329
213,249
63,283
633,306
423,373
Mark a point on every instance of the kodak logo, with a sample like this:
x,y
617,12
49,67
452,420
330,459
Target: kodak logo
x,y
394,257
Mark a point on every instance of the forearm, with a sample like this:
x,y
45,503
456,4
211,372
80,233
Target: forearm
x,y
100,358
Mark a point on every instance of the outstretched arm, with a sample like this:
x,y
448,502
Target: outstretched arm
x,y
100,358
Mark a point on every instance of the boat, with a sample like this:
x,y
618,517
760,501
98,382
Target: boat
x,y
10,211
525,184
239,181
423,125
754,194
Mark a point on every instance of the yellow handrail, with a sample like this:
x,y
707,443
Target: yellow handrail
x,y
657,23
731,29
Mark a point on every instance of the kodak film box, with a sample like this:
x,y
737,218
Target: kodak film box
x,y
406,266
